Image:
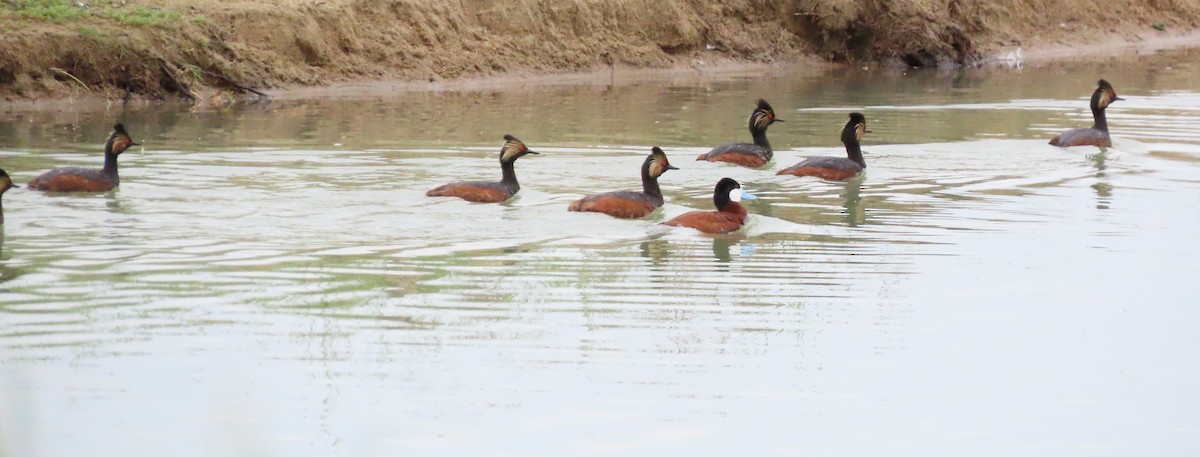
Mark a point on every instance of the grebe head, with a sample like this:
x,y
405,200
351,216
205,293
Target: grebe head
x,y
657,163
5,182
1104,95
513,149
763,116
729,191
119,140
854,130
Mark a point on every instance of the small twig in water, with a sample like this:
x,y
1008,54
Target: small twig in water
x,y
235,84
64,72
182,87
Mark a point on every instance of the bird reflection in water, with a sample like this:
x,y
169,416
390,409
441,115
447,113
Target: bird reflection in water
x,y
1102,185
657,250
723,246
856,214
660,251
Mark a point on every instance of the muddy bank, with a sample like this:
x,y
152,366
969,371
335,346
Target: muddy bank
x,y
209,50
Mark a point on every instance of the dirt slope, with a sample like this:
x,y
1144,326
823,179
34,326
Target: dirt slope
x,y
166,48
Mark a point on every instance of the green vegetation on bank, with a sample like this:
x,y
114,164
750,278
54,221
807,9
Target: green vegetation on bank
x,y
76,10
104,46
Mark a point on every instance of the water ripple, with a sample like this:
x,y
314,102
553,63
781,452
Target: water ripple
x,y
294,266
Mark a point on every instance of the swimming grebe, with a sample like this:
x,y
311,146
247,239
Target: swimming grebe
x,y
746,154
631,204
5,184
837,168
87,179
729,216
1097,135
489,192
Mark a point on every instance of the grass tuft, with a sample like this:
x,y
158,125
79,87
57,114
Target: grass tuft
x,y
73,10
143,15
88,32
46,10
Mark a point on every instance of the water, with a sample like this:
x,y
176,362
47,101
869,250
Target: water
x,y
271,280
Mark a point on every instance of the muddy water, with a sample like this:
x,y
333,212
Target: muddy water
x,y
270,279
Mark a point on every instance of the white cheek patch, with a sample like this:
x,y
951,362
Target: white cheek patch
x,y
736,195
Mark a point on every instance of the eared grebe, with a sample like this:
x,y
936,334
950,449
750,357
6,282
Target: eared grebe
x,y
88,179
1097,135
746,154
631,204
5,184
837,168
485,191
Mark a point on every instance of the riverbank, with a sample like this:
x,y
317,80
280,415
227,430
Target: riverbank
x,y
205,51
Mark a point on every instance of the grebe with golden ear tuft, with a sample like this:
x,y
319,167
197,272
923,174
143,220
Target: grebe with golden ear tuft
x,y
485,191
837,168
1097,135
5,184
630,205
88,179
746,154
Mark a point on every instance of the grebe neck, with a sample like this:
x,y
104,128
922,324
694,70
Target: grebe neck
x,y
110,166
1101,119
650,187
854,152
760,139
510,175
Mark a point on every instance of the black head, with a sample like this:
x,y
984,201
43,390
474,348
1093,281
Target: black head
x,y
1104,95
5,182
119,140
729,191
513,149
762,116
656,163
854,130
